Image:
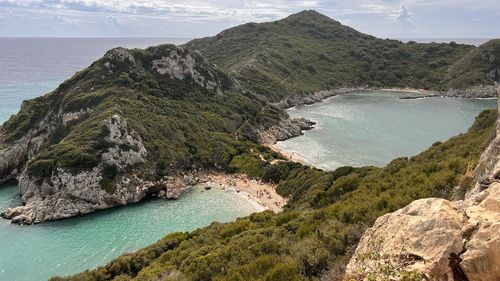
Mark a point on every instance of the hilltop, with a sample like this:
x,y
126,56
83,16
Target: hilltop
x,y
309,52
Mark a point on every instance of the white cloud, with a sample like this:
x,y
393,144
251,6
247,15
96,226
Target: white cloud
x,y
193,18
5,13
404,18
373,8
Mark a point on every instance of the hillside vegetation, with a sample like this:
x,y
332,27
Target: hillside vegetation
x,y
309,52
316,235
200,118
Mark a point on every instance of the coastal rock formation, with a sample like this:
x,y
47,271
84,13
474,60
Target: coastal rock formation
x,y
286,129
181,65
67,193
479,91
13,157
441,239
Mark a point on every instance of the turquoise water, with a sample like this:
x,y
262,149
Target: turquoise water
x,y
372,128
70,246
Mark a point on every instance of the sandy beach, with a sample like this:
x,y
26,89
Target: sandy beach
x,y
291,156
408,90
262,195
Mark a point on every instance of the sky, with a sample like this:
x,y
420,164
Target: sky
x,y
199,18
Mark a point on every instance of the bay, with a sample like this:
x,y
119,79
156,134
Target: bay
x,y
374,127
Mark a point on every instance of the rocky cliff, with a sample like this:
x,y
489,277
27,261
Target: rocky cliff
x,y
135,123
66,194
285,129
437,239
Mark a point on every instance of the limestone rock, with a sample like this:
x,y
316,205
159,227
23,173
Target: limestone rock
x,y
183,65
429,229
481,259
452,240
479,91
65,194
286,129
13,157
297,100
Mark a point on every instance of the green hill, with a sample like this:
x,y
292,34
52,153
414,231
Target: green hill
x,y
132,117
309,52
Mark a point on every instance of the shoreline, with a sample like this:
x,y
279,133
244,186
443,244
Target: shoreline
x,y
474,92
407,90
290,155
261,195
323,96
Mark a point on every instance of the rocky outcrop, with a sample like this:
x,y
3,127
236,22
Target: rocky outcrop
x,y
476,92
286,129
176,63
441,240
66,194
75,195
15,155
479,91
182,65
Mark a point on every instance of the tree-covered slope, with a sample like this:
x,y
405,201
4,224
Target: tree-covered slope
x,y
309,52
132,116
315,237
477,66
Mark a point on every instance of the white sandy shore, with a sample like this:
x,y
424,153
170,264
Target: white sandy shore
x,y
408,90
290,155
260,194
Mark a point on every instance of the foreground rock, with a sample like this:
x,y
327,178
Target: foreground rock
x,y
439,239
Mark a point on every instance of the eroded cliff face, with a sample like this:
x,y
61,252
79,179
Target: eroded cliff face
x,y
71,193
286,129
14,156
439,239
